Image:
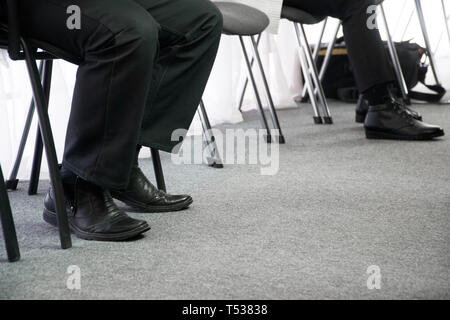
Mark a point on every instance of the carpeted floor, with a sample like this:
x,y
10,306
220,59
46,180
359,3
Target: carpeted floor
x,y
339,204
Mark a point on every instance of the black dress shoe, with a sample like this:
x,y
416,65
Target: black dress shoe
x,y
392,121
362,107
93,215
144,196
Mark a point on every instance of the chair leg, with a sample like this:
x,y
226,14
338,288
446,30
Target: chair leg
x,y
314,74
262,116
308,82
38,147
47,137
244,89
273,111
329,54
157,166
316,53
7,221
214,160
11,183
395,60
423,26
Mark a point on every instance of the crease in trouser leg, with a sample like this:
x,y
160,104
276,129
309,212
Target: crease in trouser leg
x,y
104,126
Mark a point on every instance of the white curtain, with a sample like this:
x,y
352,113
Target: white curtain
x,y
279,54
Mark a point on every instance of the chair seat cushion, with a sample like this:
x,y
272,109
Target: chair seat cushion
x,y
242,20
299,16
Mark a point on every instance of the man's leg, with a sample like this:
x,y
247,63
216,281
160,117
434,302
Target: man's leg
x,y
388,118
189,39
118,41
365,48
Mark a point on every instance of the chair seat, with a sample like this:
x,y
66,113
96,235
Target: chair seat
x,y
242,20
299,16
52,52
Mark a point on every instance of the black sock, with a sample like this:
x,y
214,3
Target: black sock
x,y
67,176
377,94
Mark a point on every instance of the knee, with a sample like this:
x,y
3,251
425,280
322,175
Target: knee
x,y
212,18
139,37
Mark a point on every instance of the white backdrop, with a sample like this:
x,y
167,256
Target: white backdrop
x,y
279,53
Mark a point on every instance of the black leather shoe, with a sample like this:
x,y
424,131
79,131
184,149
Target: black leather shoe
x,y
362,107
144,196
93,215
392,121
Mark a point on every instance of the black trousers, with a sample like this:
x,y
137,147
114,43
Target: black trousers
x,y
145,66
365,48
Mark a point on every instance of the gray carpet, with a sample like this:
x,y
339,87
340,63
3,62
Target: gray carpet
x,y
339,204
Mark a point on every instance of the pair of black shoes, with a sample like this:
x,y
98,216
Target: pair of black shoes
x,y
394,120
93,214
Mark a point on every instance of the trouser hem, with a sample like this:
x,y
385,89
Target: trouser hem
x,y
93,178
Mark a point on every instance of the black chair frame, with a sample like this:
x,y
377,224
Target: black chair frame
x,y
7,222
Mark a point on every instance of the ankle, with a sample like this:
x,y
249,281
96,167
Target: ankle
x,y
380,93
67,176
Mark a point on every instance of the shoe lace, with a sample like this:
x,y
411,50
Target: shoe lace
x,y
402,110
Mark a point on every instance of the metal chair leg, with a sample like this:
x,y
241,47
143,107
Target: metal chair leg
x,y
12,182
423,26
309,85
273,111
304,95
47,137
7,221
262,116
38,147
395,60
214,160
244,89
157,166
329,53
327,119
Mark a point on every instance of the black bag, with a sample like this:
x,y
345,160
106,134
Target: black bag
x,y
339,81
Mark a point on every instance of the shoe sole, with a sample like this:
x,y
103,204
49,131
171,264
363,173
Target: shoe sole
x,y
154,209
50,218
373,134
